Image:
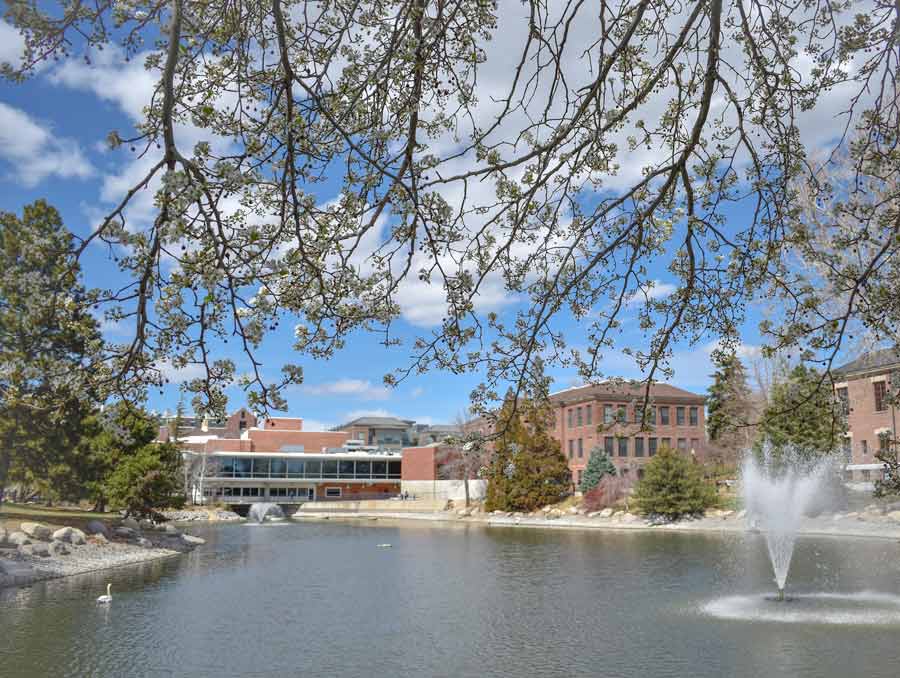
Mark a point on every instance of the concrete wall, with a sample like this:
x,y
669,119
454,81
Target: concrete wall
x,y
444,489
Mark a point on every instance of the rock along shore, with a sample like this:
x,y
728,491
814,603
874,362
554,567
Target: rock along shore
x,y
36,552
873,522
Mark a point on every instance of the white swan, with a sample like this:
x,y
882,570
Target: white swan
x,y
108,597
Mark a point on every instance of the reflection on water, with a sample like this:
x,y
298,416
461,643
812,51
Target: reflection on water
x,y
322,598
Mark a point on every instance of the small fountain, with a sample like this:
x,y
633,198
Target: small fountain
x,y
777,494
262,511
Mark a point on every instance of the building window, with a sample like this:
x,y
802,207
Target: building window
x,y
694,416
571,418
682,445
867,474
587,412
864,447
621,414
607,414
844,400
667,442
580,476
608,443
623,447
664,415
679,416
884,441
652,448
332,492
638,447
580,449
846,445
880,396
640,473
695,444
571,449
578,416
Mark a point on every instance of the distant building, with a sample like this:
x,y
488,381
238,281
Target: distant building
x,y
862,387
394,433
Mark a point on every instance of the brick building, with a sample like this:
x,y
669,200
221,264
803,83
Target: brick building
x,y
608,416
863,387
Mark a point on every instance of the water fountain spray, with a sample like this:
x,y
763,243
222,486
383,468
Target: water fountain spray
x,y
778,489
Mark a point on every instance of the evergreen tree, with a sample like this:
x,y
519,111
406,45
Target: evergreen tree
x,y
729,408
49,350
528,469
598,466
802,413
146,481
673,486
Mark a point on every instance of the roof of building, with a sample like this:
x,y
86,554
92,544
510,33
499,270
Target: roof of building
x,y
379,422
873,360
626,389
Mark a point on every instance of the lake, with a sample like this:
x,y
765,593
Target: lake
x,y
322,599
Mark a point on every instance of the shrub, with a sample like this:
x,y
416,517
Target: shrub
x,y
599,465
673,486
607,493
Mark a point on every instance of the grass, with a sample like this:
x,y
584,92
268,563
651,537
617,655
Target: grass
x,y
12,515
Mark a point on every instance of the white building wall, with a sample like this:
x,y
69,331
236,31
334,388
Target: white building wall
x,y
444,489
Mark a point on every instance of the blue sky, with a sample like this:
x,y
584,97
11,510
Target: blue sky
x,y
52,131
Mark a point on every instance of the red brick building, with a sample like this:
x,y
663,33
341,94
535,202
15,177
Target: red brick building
x,y
608,416
863,387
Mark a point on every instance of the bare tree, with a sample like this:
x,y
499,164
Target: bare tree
x,y
464,456
622,134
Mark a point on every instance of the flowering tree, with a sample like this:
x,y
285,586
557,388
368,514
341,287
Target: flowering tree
x,y
619,135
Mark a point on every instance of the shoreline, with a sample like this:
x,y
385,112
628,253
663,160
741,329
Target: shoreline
x,y
733,524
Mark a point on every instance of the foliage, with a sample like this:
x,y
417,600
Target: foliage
x,y
607,493
462,458
147,480
49,347
673,486
528,469
729,408
598,465
531,188
802,414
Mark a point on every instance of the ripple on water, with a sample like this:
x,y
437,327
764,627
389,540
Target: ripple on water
x,y
863,608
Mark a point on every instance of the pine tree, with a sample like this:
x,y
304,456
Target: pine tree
x,y
49,352
802,413
673,486
598,466
528,469
729,408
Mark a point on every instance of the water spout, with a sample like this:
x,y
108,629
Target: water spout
x,y
262,511
777,495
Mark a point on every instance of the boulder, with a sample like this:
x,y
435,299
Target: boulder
x,y
171,529
145,543
742,514
98,539
463,513
58,548
725,515
37,531
16,569
18,539
573,511
894,515
606,513
96,527
131,524
147,524
71,535
192,541
125,532
552,515
39,549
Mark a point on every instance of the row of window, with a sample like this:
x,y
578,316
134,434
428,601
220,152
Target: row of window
x,y
879,390
274,492
581,416
624,472
619,446
279,467
884,443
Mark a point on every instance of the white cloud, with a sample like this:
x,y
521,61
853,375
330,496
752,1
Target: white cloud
x,y
35,153
416,392
180,375
658,290
356,414
359,388
12,45
316,425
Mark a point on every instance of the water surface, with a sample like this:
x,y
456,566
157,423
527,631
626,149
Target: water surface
x,y
317,599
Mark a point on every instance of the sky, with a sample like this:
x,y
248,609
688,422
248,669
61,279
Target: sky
x,y
52,132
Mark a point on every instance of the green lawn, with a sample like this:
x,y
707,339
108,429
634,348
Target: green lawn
x,y
13,514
